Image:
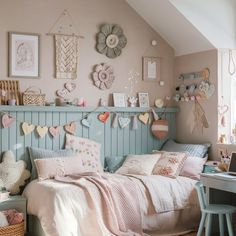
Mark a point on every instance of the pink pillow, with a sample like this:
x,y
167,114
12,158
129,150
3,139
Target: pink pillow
x,y
49,168
193,166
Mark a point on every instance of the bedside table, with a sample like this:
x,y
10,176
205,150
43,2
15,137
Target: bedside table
x,y
17,202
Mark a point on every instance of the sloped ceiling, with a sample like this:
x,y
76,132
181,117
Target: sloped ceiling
x,y
191,26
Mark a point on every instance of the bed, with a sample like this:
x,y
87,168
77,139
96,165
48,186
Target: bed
x,y
63,208
66,197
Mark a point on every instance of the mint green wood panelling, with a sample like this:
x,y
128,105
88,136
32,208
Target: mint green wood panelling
x,y
114,141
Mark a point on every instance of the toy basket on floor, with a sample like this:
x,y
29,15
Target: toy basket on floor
x,y
13,230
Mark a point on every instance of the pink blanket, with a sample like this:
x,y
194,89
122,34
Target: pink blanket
x,y
117,208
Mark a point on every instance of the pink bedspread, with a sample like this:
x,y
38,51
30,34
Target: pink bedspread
x,y
118,208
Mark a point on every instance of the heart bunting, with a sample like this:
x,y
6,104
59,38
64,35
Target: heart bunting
x,y
7,121
103,117
70,128
87,122
55,131
42,131
123,122
144,118
27,128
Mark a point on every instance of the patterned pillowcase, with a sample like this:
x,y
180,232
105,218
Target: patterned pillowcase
x,y
139,164
88,150
40,153
49,168
170,164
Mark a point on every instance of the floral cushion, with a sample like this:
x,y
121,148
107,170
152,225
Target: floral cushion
x,y
88,150
170,164
139,164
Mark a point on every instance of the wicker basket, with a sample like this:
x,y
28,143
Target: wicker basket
x,y
33,97
13,230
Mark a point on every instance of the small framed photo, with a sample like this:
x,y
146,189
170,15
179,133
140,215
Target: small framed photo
x,y
23,55
151,69
143,99
119,100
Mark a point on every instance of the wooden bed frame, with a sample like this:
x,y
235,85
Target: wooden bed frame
x,y
115,141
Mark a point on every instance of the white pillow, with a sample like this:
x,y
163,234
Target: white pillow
x,y
139,164
49,168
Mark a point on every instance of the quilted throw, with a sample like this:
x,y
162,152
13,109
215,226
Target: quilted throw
x,y
66,56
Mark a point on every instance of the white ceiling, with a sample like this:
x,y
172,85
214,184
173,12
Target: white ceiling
x,y
191,26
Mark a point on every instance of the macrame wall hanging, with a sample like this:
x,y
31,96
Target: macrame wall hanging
x,y
66,46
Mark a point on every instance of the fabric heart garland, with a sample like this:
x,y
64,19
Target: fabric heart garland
x,y
87,122
123,122
7,121
27,128
42,131
103,117
115,121
144,118
55,131
70,128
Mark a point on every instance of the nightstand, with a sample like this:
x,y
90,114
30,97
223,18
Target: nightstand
x,y
17,202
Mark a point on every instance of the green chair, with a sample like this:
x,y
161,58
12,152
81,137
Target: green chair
x,y
213,209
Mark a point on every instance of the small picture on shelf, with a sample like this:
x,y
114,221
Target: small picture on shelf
x,y
143,99
119,100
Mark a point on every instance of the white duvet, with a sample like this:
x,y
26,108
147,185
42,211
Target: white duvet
x,y
63,210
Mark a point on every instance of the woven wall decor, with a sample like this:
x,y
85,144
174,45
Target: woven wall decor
x,y
111,40
66,56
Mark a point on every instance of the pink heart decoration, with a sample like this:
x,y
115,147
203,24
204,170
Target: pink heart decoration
x,y
70,128
7,121
70,86
223,109
62,92
54,131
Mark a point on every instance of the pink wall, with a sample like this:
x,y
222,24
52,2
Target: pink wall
x,y
39,16
191,63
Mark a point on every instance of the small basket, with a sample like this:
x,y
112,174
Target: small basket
x,y
33,97
13,230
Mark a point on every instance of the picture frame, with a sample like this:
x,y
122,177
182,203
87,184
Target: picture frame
x,y
151,69
23,49
119,100
143,99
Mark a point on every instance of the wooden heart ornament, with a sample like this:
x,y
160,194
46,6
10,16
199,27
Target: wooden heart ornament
x,y
54,131
42,131
62,92
103,117
124,122
7,121
144,118
70,128
27,128
70,86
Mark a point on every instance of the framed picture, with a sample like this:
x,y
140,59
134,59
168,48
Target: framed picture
x,y
119,100
23,55
143,99
151,69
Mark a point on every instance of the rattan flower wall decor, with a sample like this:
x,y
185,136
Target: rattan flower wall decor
x,y
103,76
111,40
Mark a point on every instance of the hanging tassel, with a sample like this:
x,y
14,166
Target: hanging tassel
x,y
222,121
155,116
115,121
134,123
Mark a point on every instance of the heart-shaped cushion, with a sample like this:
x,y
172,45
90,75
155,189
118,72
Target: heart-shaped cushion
x,y
103,117
124,122
70,128
144,118
7,121
42,131
13,173
27,128
54,131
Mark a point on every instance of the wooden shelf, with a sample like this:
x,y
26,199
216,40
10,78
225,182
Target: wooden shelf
x,y
83,109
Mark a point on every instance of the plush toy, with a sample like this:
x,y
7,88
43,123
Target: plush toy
x,y
13,173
